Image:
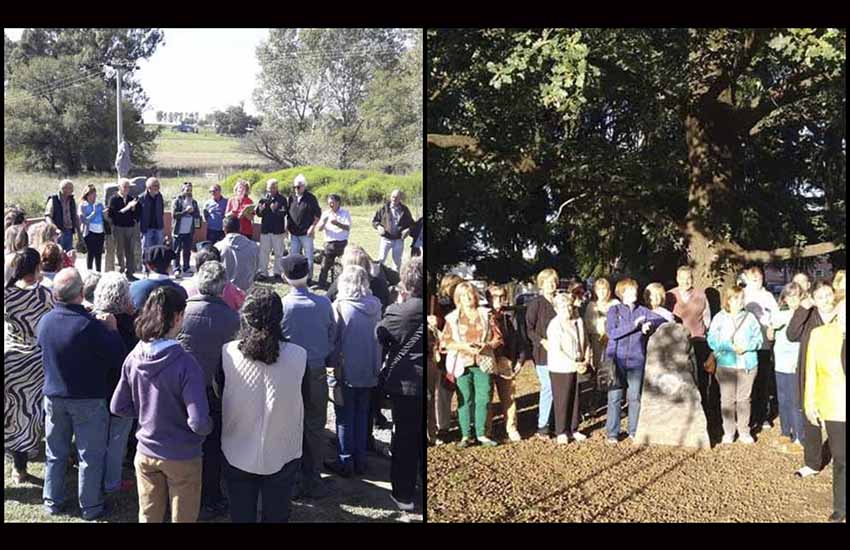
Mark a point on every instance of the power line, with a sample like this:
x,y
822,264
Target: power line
x,y
62,82
23,93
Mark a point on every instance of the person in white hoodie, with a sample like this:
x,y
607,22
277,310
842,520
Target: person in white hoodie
x,y
569,355
239,254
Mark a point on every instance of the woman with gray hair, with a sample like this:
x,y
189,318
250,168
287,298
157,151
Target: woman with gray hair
x,y
356,255
358,360
112,295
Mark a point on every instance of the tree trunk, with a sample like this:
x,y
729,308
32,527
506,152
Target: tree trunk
x,y
712,145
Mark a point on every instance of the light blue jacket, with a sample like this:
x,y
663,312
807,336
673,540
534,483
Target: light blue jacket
x,y
786,353
749,336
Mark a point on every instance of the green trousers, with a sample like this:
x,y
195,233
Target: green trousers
x,y
475,391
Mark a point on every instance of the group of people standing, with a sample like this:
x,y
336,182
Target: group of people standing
x,y
754,360
210,379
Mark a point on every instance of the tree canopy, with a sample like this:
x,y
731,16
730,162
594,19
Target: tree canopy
x,y
60,109
603,150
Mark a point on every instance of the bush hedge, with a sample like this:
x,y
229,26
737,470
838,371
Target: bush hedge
x,y
354,186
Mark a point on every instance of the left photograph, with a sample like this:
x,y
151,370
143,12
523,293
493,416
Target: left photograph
x,y
213,275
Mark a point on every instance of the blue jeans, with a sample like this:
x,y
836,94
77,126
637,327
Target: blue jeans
x,y
87,420
66,239
634,382
303,245
790,415
352,425
116,449
544,411
243,488
151,237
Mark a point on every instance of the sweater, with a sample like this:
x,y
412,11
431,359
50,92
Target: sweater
x,y
208,324
694,312
308,320
214,213
78,351
786,353
164,387
122,219
272,211
180,224
91,217
537,316
240,257
626,342
300,215
262,409
566,346
356,341
826,380
141,289
232,295
749,336
799,329
456,361
235,206
401,325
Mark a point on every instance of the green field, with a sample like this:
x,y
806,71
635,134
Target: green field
x,y
205,151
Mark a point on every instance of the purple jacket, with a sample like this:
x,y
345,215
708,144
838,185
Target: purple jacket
x,y
626,343
164,386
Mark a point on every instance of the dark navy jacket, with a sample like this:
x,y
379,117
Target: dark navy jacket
x,y
626,342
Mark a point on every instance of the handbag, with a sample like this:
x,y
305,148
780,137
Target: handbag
x,y
486,361
607,377
81,246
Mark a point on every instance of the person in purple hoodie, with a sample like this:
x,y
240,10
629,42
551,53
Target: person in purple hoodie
x,y
628,327
165,387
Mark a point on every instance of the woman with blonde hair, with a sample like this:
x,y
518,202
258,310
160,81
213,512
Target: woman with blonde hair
x,y
654,296
237,206
735,336
91,218
838,285
594,323
470,337
538,315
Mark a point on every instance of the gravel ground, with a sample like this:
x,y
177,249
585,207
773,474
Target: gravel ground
x,y
537,481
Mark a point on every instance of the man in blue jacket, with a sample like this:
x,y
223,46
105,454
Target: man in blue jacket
x,y
78,352
151,215
157,260
308,321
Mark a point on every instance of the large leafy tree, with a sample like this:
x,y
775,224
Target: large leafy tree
x,y
635,149
60,107
311,92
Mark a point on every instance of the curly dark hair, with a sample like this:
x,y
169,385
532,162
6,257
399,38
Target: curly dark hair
x,y
261,331
206,254
159,312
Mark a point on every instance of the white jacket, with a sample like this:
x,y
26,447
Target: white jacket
x,y
566,346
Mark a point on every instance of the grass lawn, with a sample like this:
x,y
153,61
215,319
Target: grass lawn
x,y
205,149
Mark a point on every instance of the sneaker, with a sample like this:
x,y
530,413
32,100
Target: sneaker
x,y
797,442
562,439
578,436
746,439
767,425
403,506
542,435
837,517
805,471
514,436
612,441
464,443
104,511
487,442
439,441
727,440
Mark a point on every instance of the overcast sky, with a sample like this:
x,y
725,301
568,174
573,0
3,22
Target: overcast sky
x,y
198,70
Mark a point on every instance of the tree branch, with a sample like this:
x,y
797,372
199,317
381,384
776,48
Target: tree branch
x,y
795,88
520,162
779,254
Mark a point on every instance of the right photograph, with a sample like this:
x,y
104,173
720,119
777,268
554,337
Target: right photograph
x,y
636,275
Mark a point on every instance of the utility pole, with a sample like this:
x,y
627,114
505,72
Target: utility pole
x,y
118,106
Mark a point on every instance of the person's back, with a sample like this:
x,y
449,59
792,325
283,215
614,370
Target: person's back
x,y
357,342
308,321
262,408
209,323
141,289
240,257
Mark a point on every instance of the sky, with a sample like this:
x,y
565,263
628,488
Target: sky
x,y
198,70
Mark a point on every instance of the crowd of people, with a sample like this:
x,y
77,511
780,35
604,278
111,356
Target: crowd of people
x,y
216,386
755,360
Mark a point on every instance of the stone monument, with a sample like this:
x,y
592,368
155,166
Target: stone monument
x,y
671,411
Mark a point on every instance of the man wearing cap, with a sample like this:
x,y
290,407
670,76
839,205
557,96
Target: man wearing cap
x,y
272,210
336,223
308,321
157,260
302,217
214,210
391,220
151,214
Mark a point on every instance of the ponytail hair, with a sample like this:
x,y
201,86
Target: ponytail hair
x,y
24,263
159,313
261,332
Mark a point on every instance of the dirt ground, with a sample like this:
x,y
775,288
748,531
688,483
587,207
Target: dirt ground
x,y
537,481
